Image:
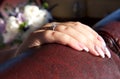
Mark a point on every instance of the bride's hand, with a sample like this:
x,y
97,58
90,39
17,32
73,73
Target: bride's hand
x,y
74,34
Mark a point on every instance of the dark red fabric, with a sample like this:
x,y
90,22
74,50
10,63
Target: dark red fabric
x,y
7,54
111,34
112,28
54,61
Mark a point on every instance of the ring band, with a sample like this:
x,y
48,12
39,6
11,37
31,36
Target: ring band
x,y
53,26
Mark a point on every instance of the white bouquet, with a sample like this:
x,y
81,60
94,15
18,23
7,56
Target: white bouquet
x,y
23,22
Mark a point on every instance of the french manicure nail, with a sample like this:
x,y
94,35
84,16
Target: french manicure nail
x,y
107,52
83,47
99,50
86,49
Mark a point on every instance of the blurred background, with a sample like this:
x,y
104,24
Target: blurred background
x,y
86,11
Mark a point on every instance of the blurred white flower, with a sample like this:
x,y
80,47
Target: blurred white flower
x,y
32,16
35,18
12,29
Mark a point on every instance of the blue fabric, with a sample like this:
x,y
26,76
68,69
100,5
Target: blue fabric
x,y
114,16
12,61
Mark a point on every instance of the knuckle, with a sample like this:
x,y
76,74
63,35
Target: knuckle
x,y
67,28
47,33
77,23
59,27
62,28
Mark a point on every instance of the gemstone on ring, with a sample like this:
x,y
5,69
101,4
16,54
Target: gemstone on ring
x,y
53,26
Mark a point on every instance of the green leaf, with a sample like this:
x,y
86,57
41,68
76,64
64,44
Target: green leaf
x,y
22,26
45,5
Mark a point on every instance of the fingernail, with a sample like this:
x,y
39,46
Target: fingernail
x,y
99,50
86,49
107,52
104,47
102,40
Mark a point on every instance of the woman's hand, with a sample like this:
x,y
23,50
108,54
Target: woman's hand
x,y
74,34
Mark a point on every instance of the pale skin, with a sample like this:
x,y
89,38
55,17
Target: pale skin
x,y
74,34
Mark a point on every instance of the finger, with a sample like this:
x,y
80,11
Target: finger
x,y
88,40
99,47
81,37
104,47
84,26
79,26
61,38
74,24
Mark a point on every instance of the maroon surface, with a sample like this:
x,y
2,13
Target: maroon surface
x,y
113,28
7,54
54,61
111,34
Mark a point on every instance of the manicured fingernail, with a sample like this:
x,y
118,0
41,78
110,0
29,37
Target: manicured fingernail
x,y
104,47
107,52
86,49
99,50
102,40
